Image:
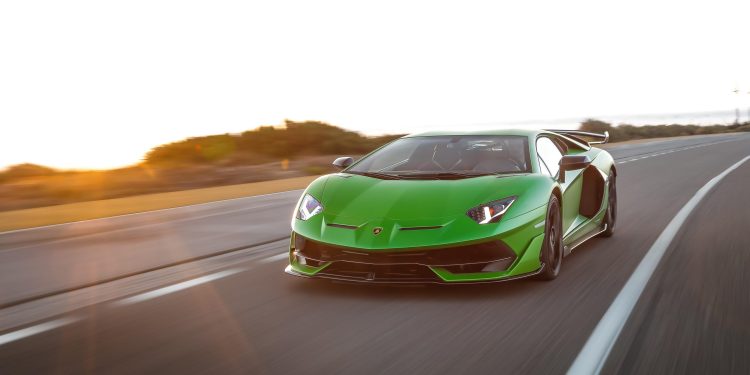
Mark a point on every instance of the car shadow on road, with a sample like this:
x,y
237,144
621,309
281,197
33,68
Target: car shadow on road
x,y
351,290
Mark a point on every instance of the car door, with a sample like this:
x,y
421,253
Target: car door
x,y
550,153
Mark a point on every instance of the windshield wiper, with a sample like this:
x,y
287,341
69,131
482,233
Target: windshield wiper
x,y
444,175
422,175
382,176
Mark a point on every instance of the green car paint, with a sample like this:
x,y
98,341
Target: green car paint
x,y
369,214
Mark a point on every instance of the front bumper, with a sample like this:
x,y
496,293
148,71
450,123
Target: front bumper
x,y
486,261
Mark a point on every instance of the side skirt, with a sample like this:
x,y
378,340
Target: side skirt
x,y
569,249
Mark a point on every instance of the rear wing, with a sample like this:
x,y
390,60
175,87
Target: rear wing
x,y
577,134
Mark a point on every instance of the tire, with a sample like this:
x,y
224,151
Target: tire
x,y
611,215
552,249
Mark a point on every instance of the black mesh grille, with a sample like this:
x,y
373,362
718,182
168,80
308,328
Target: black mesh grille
x,y
382,273
485,252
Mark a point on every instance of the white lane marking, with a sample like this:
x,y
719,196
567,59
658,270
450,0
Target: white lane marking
x,y
274,258
629,159
33,330
147,212
594,354
176,287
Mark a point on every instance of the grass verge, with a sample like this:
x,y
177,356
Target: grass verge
x,y
35,217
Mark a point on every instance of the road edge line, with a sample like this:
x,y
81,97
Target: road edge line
x,y
594,354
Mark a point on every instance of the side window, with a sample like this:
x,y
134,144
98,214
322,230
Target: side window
x,y
550,155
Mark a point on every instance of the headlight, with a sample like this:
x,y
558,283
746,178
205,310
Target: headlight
x,y
308,208
490,212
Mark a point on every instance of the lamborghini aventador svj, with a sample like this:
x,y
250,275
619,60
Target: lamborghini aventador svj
x,y
456,207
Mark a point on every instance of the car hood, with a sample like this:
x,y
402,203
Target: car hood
x,y
370,213
355,199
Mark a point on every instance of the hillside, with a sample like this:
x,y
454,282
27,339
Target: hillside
x,y
265,144
266,153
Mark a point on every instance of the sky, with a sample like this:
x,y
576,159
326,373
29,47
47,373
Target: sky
x,y
96,84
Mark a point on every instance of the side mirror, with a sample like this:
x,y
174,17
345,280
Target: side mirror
x,y
343,162
571,163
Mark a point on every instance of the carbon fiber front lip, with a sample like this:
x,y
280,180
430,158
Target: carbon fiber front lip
x,y
291,271
408,263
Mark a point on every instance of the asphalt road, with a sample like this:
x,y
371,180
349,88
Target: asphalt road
x,y
246,316
74,255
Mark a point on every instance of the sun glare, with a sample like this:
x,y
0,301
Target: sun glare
x,y
97,152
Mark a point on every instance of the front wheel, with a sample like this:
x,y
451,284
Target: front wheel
x,y
552,248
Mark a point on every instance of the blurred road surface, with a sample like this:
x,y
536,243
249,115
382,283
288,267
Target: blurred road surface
x,y
244,315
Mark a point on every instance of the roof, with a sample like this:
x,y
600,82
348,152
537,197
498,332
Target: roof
x,y
516,132
522,132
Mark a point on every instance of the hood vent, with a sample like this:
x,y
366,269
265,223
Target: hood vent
x,y
422,228
342,226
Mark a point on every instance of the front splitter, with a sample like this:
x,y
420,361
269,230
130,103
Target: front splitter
x,y
289,270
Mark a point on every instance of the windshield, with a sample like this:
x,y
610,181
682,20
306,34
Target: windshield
x,y
462,156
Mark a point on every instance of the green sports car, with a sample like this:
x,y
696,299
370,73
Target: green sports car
x,y
456,207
